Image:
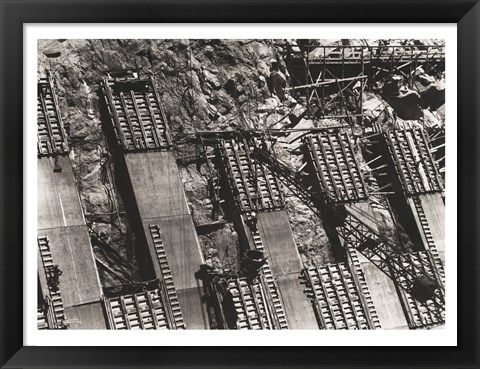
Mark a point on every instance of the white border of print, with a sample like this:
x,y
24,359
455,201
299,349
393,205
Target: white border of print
x,y
434,337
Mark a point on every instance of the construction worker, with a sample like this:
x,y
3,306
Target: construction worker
x,y
253,221
53,277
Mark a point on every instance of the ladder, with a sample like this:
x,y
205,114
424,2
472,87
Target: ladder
x,y
419,315
172,302
267,274
51,137
56,306
430,246
42,322
249,302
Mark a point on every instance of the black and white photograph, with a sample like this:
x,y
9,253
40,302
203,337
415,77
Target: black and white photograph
x,y
241,184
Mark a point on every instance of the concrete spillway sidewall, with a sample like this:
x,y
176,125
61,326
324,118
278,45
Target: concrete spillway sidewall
x,y
403,214
86,316
286,265
58,199
71,251
61,220
125,188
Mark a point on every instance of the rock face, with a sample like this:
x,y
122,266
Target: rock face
x,y
204,85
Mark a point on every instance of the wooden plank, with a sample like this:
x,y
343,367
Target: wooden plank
x,y
116,120
398,163
321,284
316,163
139,310
162,113
156,130
351,170
340,172
124,309
244,303
139,118
48,124
152,310
129,121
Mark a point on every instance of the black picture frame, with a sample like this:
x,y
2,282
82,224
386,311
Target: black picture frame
x,y
14,13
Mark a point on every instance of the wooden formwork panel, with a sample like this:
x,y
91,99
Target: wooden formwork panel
x,y
136,114
413,161
145,310
341,297
51,137
253,186
252,304
335,168
421,314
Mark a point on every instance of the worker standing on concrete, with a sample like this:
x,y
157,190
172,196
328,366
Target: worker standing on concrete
x,y
253,221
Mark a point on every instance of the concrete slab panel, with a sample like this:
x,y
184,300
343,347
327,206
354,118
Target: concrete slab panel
x,y
156,184
278,241
72,252
181,246
434,209
298,308
384,296
58,201
193,308
87,316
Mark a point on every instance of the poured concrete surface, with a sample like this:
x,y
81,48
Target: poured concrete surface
x,y
60,219
181,247
277,237
87,316
382,289
71,251
156,184
286,266
58,201
161,200
298,307
384,296
193,308
434,209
